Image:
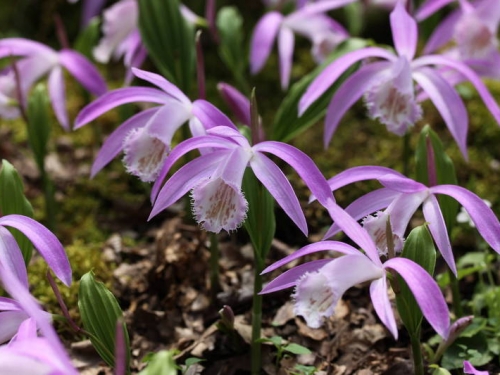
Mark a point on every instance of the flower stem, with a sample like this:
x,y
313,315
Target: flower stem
x,y
256,319
406,153
416,349
456,297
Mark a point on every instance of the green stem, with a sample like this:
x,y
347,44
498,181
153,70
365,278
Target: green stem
x,y
406,153
456,297
257,319
50,201
214,266
416,349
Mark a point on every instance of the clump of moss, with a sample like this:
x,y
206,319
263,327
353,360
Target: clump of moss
x,y
83,257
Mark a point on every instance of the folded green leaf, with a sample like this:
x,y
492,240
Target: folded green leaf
x,y
39,124
169,39
418,247
13,201
100,311
162,363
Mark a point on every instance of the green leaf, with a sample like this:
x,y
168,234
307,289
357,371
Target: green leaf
x,y
100,311
39,125
260,223
445,172
13,201
169,40
162,363
231,45
474,349
287,123
418,247
296,349
193,360
439,370
88,38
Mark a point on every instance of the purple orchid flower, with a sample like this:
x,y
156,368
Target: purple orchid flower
x,y
49,247
320,284
38,60
469,369
473,27
309,21
90,9
145,137
388,88
215,178
401,197
121,36
27,353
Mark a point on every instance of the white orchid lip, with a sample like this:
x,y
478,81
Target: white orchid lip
x,y
219,205
144,154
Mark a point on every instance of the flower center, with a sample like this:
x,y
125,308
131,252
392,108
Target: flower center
x,y
144,154
376,226
474,39
218,205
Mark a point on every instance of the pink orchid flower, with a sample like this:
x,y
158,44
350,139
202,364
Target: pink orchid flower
x,y
215,178
309,21
388,85
320,284
474,29
146,137
37,60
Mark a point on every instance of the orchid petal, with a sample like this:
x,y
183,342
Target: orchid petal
x,y
356,174
31,307
167,120
347,94
262,40
183,148
231,134
44,241
333,71
157,80
437,226
9,323
116,98
469,369
402,184
354,231
318,7
185,179
472,76
317,293
337,246
57,95
483,217
237,102
302,164
27,329
286,41
83,70
447,102
430,7
114,143
280,188
210,116
442,33
24,47
382,305
426,293
402,209
11,256
369,203
13,363
290,278
404,31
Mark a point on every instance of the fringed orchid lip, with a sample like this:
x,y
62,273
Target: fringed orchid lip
x,y
218,205
144,154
